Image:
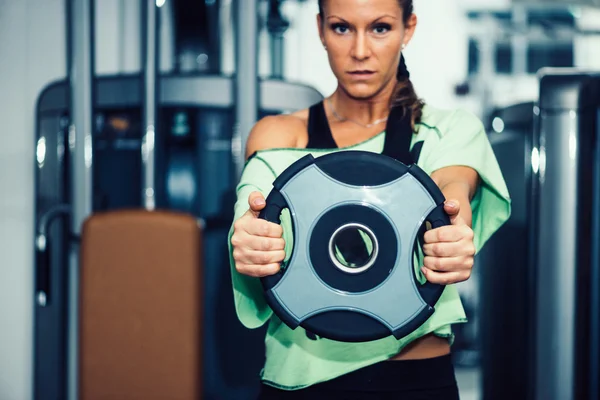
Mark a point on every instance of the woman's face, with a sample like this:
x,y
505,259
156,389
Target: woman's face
x,y
364,40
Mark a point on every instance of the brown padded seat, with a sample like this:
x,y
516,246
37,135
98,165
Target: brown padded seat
x,y
140,307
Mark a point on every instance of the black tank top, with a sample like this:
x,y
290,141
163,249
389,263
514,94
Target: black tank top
x,y
319,132
397,137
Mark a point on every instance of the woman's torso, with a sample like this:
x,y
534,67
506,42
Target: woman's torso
x,y
315,128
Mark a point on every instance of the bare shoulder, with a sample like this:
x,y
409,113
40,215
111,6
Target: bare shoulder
x,y
278,131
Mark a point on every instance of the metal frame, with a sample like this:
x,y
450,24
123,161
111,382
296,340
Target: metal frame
x,y
202,90
51,346
562,206
150,66
276,25
81,74
81,105
595,276
246,91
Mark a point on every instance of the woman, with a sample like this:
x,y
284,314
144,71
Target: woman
x,y
364,40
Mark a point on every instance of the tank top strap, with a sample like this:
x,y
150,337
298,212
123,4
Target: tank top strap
x,y
398,136
319,132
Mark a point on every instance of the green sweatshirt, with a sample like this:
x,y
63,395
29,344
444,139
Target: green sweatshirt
x,y
293,360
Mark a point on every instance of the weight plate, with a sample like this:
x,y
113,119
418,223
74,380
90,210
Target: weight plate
x,y
355,217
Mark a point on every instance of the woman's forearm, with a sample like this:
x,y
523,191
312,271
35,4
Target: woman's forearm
x,y
458,183
460,192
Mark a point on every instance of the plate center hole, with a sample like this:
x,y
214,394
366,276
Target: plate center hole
x,y
353,248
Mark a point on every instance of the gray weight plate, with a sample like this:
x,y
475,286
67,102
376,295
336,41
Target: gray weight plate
x,y
388,202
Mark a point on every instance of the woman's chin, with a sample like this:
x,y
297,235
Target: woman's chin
x,y
362,90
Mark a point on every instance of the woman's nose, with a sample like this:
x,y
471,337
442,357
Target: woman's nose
x,y
360,48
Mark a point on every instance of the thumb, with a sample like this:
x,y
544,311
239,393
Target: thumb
x,y
452,208
257,202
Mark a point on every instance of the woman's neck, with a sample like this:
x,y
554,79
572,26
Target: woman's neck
x,y
364,111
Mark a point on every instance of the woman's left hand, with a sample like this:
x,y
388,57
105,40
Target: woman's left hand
x,y
449,250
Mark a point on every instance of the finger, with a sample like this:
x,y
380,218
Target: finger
x,y
255,257
445,278
448,233
452,207
258,271
261,227
262,243
449,249
256,201
447,264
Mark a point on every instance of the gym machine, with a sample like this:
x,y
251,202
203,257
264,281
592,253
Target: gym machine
x,y
565,207
541,271
504,308
277,25
151,141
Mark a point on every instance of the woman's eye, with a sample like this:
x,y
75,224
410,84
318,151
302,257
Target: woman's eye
x,y
383,28
339,28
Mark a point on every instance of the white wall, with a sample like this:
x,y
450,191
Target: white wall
x,y
32,54
118,37
117,29
587,55
483,4
305,58
437,57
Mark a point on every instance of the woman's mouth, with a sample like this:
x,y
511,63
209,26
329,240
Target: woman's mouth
x,y
361,74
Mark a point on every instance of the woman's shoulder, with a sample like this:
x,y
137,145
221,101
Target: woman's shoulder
x,y
278,131
443,121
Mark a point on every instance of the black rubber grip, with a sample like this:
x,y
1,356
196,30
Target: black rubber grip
x,y
431,292
276,306
272,213
268,283
292,170
428,183
438,216
275,204
414,323
345,326
361,168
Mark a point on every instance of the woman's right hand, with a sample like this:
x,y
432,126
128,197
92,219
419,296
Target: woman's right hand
x,y
258,245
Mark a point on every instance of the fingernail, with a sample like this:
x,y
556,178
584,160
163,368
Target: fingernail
x,y
451,204
423,270
259,202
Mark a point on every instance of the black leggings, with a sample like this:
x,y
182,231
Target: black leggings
x,y
403,380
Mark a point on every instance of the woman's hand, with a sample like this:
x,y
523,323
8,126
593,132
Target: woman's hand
x,y
258,246
449,250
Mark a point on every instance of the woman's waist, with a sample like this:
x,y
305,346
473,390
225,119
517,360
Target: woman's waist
x,y
404,375
428,346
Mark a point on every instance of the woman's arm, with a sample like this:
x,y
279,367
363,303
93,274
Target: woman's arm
x,y
462,163
458,183
274,131
449,250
